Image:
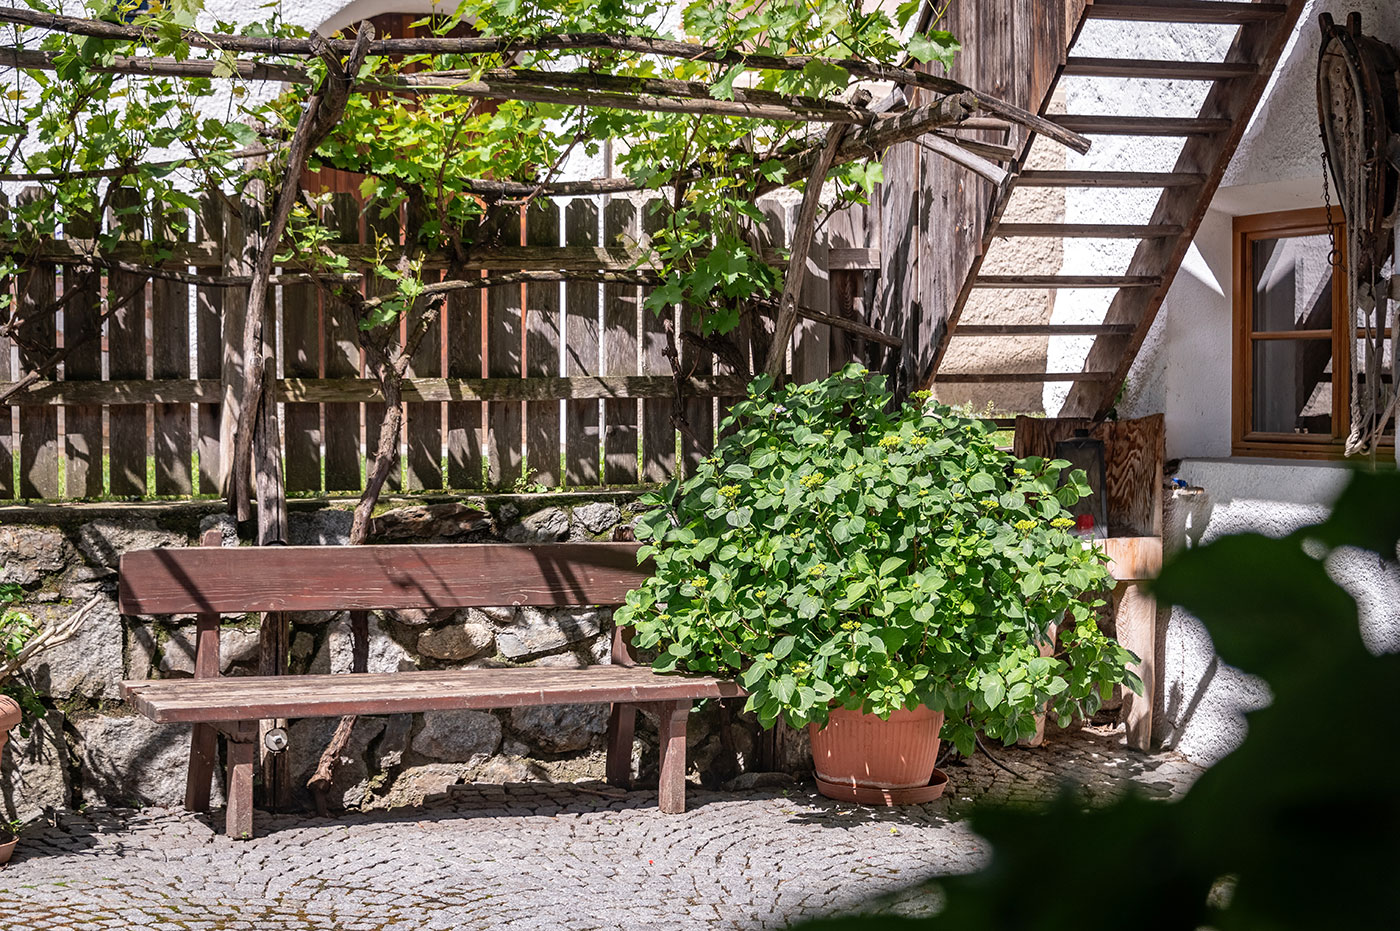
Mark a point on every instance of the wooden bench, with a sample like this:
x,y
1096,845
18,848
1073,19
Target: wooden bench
x,y
212,580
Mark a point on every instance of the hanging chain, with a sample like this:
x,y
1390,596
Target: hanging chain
x,y
1334,258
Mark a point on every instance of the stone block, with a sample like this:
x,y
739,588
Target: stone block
x,y
457,641
560,728
34,775
130,760
326,527
336,654
549,525
426,523
227,527
31,553
307,740
458,736
90,664
597,516
538,630
237,645
103,541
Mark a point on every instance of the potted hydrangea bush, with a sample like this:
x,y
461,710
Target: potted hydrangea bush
x,y
882,575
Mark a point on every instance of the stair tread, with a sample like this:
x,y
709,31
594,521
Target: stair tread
x,y
1164,69
1064,178
1112,124
1067,281
1015,377
1184,11
977,330
1091,230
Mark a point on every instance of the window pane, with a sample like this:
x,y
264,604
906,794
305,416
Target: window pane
x,y
1293,386
1292,284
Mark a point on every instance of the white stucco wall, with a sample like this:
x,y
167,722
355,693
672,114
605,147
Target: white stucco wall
x,y
1185,371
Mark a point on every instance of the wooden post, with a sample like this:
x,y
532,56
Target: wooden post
x,y
38,425
342,360
658,433
82,423
209,311
235,257
622,720
204,738
170,358
238,816
1136,628
542,335
620,341
581,437
672,717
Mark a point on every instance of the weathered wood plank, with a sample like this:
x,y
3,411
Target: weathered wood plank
x,y
658,433
620,341
542,338
342,360
126,359
464,359
1078,66
208,313
312,578
1125,179
38,429
82,423
581,356
7,413
385,228
186,700
301,358
1184,11
1091,230
170,358
423,419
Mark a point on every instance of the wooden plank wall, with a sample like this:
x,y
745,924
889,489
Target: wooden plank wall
x,y
933,213
140,411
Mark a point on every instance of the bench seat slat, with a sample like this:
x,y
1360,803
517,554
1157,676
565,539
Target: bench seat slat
x,y
216,580
172,701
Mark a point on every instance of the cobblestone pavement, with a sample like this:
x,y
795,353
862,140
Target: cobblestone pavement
x,y
530,856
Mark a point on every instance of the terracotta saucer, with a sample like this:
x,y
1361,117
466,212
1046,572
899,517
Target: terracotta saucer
x,y
863,795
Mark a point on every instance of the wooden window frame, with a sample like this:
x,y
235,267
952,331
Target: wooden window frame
x,y
1244,441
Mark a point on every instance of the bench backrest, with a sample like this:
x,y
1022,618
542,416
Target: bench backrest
x,y
231,580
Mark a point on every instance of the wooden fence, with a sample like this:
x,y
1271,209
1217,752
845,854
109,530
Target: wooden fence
x,y
555,384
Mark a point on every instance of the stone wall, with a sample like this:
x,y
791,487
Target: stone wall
x,y
93,749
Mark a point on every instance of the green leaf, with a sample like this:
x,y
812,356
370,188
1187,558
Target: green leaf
x,y
723,89
938,45
783,647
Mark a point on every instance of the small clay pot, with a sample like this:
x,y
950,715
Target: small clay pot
x,y
7,850
10,715
863,751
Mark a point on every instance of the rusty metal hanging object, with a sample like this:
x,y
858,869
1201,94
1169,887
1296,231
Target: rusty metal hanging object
x,y
1358,104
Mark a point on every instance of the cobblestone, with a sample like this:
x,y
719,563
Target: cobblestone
x,y
541,856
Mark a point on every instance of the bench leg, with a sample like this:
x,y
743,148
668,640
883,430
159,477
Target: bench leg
x,y
240,788
204,749
622,724
671,727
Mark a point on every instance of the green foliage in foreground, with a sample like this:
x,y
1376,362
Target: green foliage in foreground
x,y
17,628
836,548
1298,828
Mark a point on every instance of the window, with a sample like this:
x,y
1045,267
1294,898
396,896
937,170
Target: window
x,y
1292,326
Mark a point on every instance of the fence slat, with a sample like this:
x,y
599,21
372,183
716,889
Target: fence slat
x,y
423,421
301,358
82,423
699,412
620,418
464,360
7,438
38,427
581,349
170,358
503,329
342,360
542,349
208,323
658,431
126,358
386,226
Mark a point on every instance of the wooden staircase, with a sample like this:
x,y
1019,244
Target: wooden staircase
x,y
1210,139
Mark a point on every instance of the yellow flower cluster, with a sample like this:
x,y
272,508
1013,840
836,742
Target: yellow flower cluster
x,y
1025,525
663,617
819,568
851,625
920,395
700,581
989,502
890,441
729,491
801,669
918,442
1062,522
760,594
815,480
1020,472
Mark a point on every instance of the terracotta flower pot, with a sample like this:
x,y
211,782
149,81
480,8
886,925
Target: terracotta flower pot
x,y
864,752
7,850
9,716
